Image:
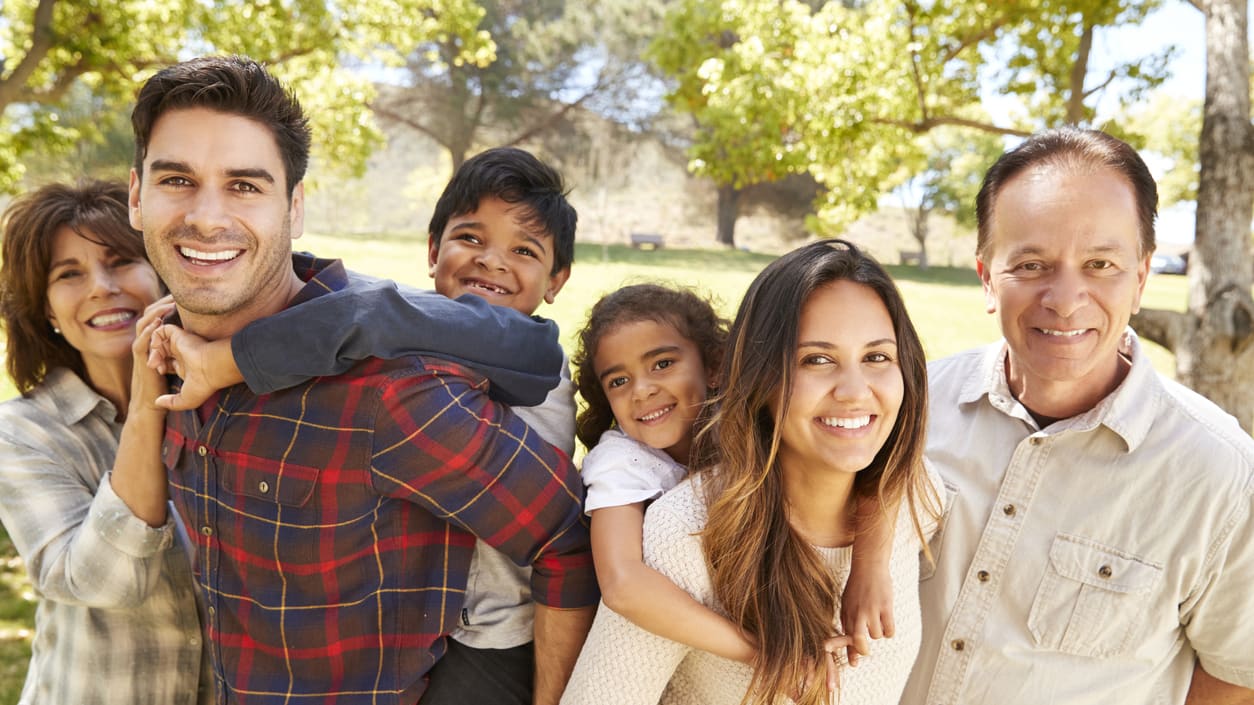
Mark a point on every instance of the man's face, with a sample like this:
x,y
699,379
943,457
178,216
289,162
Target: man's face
x,y
218,224
496,255
1064,272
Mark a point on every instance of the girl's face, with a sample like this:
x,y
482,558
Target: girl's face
x,y
94,297
847,382
656,383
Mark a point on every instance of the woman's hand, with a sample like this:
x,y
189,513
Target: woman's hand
x,y
148,384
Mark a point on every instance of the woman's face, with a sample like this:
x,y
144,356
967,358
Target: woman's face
x,y
847,382
94,297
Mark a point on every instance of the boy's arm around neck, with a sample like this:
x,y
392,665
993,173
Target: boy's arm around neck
x,y
329,334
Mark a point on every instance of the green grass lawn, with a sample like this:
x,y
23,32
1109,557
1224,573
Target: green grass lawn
x,y
946,304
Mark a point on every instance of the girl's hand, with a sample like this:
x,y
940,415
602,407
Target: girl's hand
x,y
148,384
866,610
825,668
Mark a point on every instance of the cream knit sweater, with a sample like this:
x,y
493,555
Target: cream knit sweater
x,y
622,664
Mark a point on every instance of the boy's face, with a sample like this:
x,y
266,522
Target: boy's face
x,y
491,254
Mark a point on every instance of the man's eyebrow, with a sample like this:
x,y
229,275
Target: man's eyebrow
x,y
240,173
169,165
254,173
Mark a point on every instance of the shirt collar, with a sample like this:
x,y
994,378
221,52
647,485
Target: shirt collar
x,y
1128,410
73,399
321,276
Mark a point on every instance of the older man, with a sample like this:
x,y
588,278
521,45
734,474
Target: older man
x,y
1100,545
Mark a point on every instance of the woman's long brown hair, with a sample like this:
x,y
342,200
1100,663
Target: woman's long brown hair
x,y
773,583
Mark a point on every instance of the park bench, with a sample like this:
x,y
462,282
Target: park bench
x,y
910,257
647,241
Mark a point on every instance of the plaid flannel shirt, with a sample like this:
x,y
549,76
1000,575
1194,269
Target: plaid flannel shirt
x,y
333,522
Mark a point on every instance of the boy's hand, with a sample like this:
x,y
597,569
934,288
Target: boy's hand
x,y
204,366
866,610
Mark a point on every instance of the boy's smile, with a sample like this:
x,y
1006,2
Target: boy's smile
x,y
496,254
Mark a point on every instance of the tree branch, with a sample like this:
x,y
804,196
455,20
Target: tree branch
x,y
389,114
914,66
41,43
1101,86
542,125
1076,94
1167,328
921,126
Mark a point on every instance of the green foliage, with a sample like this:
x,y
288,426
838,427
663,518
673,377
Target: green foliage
x,y
1169,128
844,90
954,169
54,47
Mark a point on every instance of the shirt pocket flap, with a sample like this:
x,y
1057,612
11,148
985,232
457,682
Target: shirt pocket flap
x,y
1102,567
283,483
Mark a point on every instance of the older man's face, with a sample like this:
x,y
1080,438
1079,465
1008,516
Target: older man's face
x,y
1064,272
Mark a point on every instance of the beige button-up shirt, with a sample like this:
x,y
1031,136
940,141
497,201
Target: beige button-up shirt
x,y
1090,561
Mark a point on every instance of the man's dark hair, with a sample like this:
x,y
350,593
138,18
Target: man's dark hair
x,y
228,84
1072,148
516,177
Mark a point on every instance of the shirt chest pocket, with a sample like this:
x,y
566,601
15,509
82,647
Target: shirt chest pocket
x,y
1092,599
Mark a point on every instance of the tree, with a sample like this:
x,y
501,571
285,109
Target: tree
x,y
1214,340
949,179
552,57
841,91
49,48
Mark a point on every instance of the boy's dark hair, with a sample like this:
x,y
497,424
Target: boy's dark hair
x,y
692,316
228,84
517,177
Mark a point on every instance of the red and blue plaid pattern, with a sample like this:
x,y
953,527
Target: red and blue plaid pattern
x,y
333,522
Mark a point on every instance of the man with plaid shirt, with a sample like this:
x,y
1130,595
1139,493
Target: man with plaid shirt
x,y
333,522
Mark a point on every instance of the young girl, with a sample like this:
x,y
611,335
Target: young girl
x,y
763,534
647,358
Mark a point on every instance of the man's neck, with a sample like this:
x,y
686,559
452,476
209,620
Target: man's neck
x,y
1049,401
225,325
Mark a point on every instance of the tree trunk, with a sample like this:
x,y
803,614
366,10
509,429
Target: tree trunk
x,y
728,211
1214,341
919,229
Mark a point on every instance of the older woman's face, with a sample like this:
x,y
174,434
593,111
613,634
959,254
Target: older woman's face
x,y
95,295
847,382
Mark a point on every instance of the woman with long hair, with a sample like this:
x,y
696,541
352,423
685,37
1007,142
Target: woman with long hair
x,y
822,410
116,619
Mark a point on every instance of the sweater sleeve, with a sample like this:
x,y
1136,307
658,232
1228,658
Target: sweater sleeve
x,y
327,335
622,663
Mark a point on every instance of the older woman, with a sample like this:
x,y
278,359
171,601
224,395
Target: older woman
x,y
823,403
117,620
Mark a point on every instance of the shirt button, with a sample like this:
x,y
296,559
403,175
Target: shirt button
x,y
982,576
1105,571
958,644
1009,510
263,486
194,641
1037,440
206,531
202,451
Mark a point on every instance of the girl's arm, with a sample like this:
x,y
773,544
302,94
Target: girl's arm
x,y
866,609
648,598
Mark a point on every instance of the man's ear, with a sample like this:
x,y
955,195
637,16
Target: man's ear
x,y
986,279
1142,276
296,211
556,282
136,215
